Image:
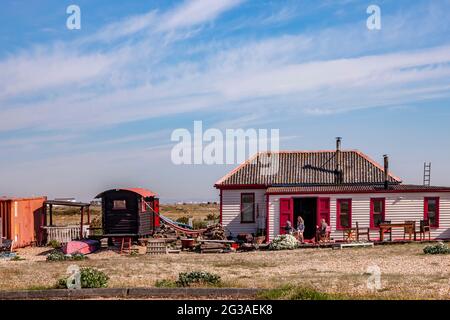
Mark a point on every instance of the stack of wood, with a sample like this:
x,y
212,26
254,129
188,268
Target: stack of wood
x,y
212,247
165,232
215,232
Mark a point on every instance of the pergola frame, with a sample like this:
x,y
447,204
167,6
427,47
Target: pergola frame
x,y
84,207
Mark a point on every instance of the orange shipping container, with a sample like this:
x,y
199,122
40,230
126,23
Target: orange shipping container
x,y
22,219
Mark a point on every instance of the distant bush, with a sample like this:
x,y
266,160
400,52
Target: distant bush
x,y
90,278
212,217
284,242
186,279
199,224
438,248
54,244
184,220
96,222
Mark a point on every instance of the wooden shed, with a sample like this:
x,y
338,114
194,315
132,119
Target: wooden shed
x,y
21,220
132,212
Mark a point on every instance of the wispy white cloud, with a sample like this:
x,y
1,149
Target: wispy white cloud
x,y
195,12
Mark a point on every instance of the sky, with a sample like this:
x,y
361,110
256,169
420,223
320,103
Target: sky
x,y
82,111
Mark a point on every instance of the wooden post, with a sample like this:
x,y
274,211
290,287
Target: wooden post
x,y
81,223
44,212
89,215
51,215
1,229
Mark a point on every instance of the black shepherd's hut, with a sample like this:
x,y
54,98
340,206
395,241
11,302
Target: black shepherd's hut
x,y
130,212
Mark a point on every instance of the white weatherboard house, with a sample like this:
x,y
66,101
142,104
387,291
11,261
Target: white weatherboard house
x,y
341,186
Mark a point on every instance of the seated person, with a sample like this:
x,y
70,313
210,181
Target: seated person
x,y
288,228
322,229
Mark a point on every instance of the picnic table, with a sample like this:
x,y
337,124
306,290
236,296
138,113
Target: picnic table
x,y
408,227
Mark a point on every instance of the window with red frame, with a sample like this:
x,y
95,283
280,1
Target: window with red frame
x,y
431,211
344,213
377,211
247,207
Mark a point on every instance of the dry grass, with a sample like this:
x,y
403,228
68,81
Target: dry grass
x,y
406,272
63,216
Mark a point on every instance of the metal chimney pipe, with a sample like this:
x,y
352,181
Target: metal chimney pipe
x,y
386,171
338,143
338,160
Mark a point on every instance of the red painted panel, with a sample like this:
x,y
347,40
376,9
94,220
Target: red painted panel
x,y
323,210
156,208
286,213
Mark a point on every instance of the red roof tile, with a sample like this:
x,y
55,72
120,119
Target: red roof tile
x,y
307,167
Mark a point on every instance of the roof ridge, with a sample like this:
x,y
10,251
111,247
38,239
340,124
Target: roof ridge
x,y
307,151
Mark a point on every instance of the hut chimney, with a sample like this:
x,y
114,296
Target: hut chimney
x,y
338,169
386,171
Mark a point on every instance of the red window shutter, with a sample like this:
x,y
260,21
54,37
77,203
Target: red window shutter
x,y
323,210
286,213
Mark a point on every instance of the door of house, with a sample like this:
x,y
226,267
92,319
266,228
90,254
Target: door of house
x,y
323,210
286,213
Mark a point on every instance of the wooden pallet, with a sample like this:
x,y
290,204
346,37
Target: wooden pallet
x,y
156,247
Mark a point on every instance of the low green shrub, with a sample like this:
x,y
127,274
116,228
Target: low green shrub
x,y
76,257
186,279
284,242
93,278
291,292
438,248
17,258
58,255
165,283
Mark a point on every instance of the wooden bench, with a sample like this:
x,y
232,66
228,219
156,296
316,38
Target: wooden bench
x,y
352,244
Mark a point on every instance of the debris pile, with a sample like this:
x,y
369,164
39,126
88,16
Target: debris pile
x,y
165,232
215,232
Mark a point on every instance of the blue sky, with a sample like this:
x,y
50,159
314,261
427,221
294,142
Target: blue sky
x,y
85,110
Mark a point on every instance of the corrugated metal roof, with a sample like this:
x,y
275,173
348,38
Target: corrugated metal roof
x,y
307,167
355,189
141,191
